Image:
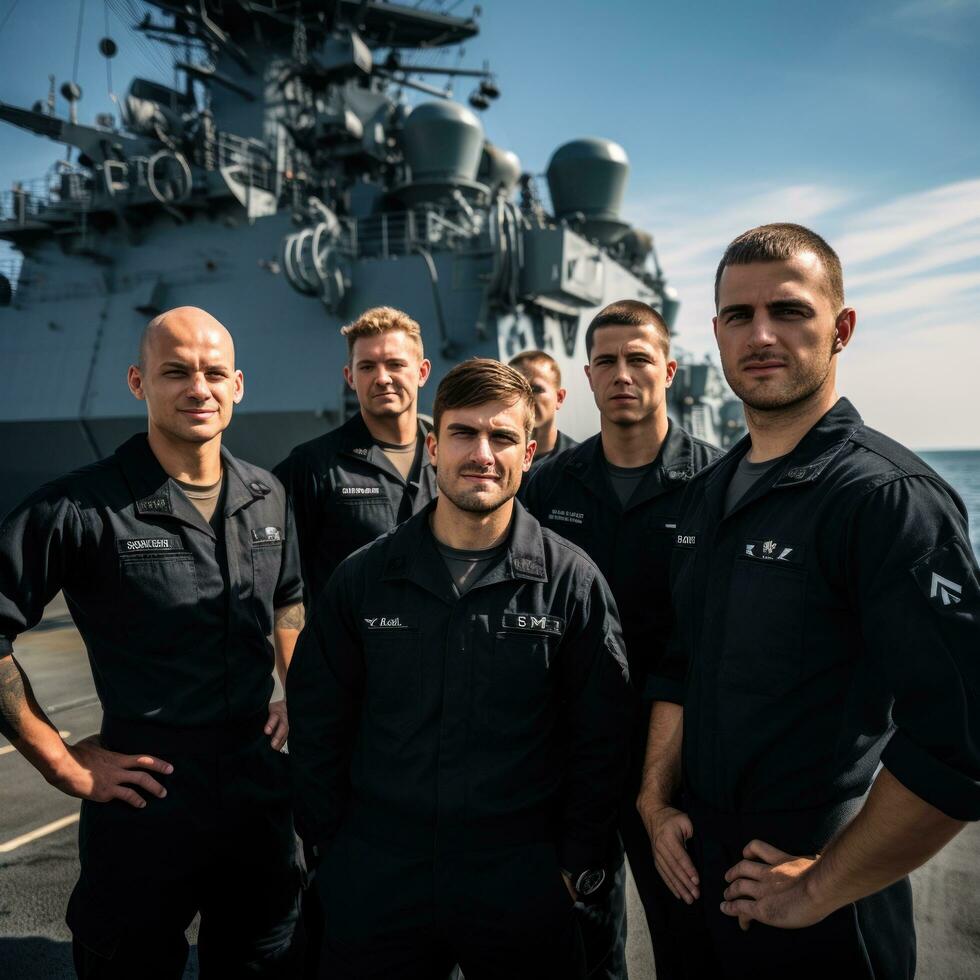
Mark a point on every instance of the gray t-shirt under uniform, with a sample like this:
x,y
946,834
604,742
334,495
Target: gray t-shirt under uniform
x,y
466,567
745,477
625,479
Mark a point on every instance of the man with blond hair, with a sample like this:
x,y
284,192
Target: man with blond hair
x,y
461,719
371,473
544,376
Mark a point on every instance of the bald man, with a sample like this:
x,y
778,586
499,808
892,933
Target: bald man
x,y
180,567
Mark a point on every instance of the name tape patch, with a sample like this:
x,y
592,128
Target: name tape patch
x,y
261,535
360,491
532,623
771,550
129,546
686,540
387,623
566,516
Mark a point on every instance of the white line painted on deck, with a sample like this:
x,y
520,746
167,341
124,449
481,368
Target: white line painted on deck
x,y
9,748
32,835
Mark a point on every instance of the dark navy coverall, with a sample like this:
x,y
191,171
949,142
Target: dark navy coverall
x,y
345,492
176,621
829,622
632,545
451,755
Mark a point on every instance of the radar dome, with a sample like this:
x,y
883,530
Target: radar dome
x,y
588,176
443,143
499,169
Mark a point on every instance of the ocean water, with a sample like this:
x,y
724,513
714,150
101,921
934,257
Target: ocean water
x,y
961,469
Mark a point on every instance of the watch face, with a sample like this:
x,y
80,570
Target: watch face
x,y
589,881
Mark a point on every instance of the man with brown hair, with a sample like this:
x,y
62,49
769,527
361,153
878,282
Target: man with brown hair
x,y
544,376
617,496
818,702
460,711
369,474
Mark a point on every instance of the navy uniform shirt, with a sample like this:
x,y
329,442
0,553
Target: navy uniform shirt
x,y
424,720
176,619
572,494
345,492
831,619
562,443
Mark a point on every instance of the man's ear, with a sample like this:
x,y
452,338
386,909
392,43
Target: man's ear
x,y
844,328
349,377
432,445
424,368
560,397
529,454
135,381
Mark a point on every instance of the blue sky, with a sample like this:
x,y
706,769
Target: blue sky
x,y
860,120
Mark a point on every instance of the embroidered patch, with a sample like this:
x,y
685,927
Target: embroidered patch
x,y
387,623
156,505
359,491
685,540
532,623
771,550
566,516
947,577
130,546
264,534
528,566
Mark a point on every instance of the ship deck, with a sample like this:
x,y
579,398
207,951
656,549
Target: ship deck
x,y
39,861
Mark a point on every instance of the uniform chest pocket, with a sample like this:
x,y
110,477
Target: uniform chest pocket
x,y
161,587
393,680
764,627
266,565
520,679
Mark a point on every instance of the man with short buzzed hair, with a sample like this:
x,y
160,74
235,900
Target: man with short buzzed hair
x,y
544,376
178,562
617,496
817,706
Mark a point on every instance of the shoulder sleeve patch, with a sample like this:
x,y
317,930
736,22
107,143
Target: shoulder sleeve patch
x,y
948,577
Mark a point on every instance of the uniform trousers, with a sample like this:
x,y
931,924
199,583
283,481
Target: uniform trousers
x,y
872,939
220,843
499,913
603,922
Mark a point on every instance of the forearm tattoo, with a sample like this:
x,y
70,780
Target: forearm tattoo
x,y
14,698
291,617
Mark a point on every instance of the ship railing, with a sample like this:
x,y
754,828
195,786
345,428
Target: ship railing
x,y
248,157
27,199
402,233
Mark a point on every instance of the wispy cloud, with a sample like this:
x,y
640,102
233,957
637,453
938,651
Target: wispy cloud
x,y
951,22
911,268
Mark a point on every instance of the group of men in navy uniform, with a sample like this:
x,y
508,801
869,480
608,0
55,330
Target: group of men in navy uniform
x,y
510,660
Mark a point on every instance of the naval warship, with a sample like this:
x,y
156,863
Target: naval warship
x,y
306,164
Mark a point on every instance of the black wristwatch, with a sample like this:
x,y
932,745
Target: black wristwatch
x,y
588,882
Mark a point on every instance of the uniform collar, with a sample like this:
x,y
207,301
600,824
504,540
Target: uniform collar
x,y
158,494
357,441
805,464
412,554
673,466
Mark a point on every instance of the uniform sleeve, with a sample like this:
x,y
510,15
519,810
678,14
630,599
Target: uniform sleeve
x,y
599,706
38,544
918,592
324,689
289,588
296,476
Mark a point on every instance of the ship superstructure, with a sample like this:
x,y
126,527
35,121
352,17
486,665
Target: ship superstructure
x,y
285,187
